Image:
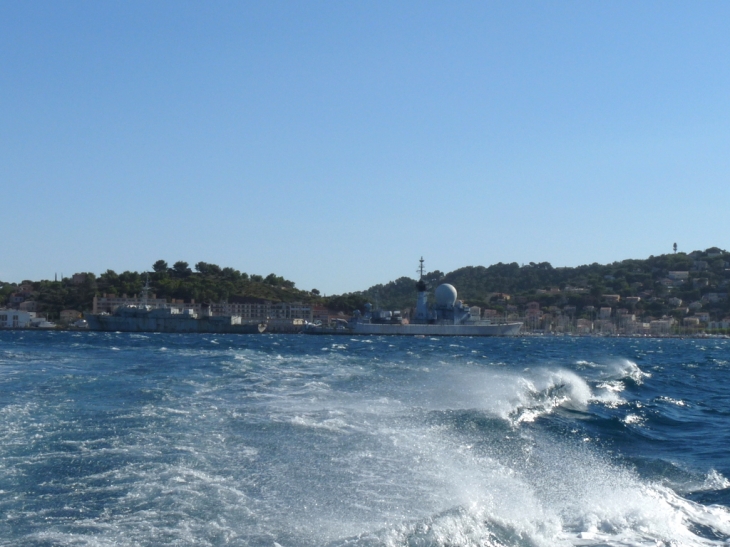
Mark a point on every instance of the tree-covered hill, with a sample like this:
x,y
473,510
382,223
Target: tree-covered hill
x,y
579,287
709,271
207,283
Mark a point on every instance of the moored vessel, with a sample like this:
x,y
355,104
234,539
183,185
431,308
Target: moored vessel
x,y
144,318
447,317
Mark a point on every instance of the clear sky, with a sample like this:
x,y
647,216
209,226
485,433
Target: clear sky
x,y
335,143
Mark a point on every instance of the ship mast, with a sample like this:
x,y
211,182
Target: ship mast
x,y
145,292
422,302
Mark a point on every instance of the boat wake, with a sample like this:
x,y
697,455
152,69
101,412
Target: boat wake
x,y
292,442
554,496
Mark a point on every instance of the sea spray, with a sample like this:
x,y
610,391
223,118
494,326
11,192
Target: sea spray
x,y
113,439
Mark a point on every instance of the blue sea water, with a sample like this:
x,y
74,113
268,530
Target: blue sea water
x,y
145,440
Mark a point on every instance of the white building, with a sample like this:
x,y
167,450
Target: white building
x,y
604,326
15,319
660,326
584,326
257,308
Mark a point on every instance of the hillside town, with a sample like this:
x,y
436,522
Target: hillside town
x,y
638,298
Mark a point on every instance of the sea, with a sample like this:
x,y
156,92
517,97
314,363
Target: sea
x,y
120,439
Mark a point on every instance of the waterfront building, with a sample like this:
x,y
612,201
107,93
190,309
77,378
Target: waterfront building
x,y
15,319
604,326
69,316
259,308
660,327
584,326
323,314
107,303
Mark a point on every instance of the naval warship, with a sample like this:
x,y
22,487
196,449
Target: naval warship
x,y
143,318
447,317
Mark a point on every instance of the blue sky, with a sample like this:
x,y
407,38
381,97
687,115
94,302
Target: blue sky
x,y
335,143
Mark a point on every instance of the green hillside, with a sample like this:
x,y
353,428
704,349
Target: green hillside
x,y
705,281
582,286
208,283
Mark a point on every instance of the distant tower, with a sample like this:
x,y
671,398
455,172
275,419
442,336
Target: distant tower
x,y
675,247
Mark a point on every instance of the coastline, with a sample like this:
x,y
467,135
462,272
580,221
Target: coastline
x,y
290,331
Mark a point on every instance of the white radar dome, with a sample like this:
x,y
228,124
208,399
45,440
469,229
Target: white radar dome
x,y
445,296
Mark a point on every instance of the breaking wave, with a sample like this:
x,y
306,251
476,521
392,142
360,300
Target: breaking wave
x,y
302,442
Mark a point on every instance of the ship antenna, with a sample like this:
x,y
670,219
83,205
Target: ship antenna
x,y
421,284
145,290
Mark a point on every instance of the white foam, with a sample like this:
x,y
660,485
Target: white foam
x,y
630,419
544,390
715,481
331,424
319,449
677,402
624,368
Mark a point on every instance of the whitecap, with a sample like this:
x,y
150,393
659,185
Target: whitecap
x,y
677,402
545,390
330,424
630,419
715,481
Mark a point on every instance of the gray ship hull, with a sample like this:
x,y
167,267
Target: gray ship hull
x,y
447,317
507,329
172,324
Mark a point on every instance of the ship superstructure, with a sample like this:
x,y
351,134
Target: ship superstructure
x,y
447,317
143,318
